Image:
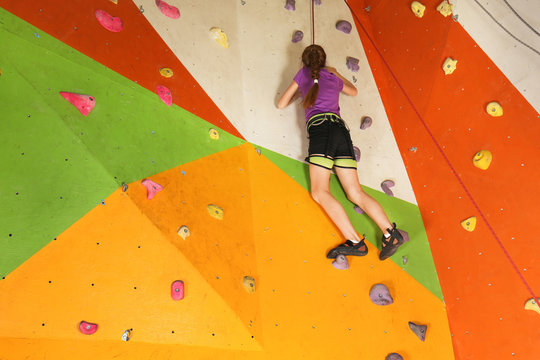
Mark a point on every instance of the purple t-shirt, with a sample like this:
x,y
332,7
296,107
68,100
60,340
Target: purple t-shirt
x,y
329,88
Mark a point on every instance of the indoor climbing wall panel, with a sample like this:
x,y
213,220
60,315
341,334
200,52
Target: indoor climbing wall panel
x,y
247,78
115,266
488,274
136,52
61,163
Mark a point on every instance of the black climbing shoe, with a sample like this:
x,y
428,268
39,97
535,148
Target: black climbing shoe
x,y
349,248
388,245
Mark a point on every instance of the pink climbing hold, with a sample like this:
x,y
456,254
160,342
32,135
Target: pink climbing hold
x,y
168,10
386,185
109,22
164,94
83,103
152,187
87,328
356,153
177,290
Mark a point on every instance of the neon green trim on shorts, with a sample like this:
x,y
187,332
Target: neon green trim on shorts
x,y
345,163
321,161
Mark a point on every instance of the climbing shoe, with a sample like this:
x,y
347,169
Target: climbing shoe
x,y
349,248
390,244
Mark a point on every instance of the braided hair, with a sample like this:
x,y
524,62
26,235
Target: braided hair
x,y
314,58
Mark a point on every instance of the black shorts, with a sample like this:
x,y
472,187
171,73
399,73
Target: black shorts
x,y
330,142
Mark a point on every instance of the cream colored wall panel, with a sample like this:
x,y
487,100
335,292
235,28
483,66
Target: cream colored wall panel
x,y
520,64
246,80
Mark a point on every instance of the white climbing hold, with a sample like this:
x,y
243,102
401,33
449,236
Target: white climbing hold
x,y
184,232
418,9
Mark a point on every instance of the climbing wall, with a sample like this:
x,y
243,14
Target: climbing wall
x,y
441,122
90,257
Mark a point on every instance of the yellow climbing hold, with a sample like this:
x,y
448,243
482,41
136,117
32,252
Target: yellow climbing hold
x,y
166,72
469,224
445,8
532,304
215,211
184,232
482,159
449,66
418,9
114,1
249,284
213,134
220,36
494,109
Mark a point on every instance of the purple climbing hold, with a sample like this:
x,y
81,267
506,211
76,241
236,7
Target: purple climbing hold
x,y
290,5
352,64
341,262
356,153
393,356
418,330
404,235
317,2
297,36
358,209
380,295
386,185
366,122
344,26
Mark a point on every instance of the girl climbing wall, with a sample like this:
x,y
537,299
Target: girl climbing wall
x,y
330,146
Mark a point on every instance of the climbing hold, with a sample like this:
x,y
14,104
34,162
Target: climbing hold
x,y
419,330
358,209
341,262
418,9
469,224
109,22
83,103
213,134
297,36
365,123
152,187
356,153
249,284
445,8
405,260
220,36
386,185
126,335
290,5
352,64
168,10
449,66
164,94
344,26
124,187
413,149
380,295
482,159
114,1
87,328
166,72
317,2
215,211
393,356
494,109
531,304
258,151
404,235
184,232
177,290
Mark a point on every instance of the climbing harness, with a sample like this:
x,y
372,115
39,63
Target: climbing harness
x,y
475,204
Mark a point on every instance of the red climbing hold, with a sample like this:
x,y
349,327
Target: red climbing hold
x,y
168,10
164,94
177,290
84,103
87,328
109,22
152,187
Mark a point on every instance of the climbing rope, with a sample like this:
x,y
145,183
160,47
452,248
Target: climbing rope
x,y
312,22
444,156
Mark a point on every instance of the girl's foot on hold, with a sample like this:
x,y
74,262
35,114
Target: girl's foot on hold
x,y
390,244
349,248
